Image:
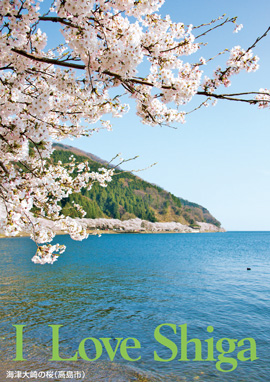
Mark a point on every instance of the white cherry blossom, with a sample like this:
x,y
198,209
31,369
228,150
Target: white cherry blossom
x,y
68,91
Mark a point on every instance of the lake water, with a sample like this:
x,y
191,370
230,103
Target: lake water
x,y
120,286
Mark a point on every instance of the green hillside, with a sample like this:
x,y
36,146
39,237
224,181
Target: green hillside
x,y
129,196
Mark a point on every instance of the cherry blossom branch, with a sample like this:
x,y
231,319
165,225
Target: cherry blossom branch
x,y
135,80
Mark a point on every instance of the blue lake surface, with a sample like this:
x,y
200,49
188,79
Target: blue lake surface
x,y
126,286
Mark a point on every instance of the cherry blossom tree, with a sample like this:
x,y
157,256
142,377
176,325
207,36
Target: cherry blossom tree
x,y
67,91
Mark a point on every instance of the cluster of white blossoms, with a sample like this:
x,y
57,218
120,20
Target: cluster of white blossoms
x,y
55,93
138,225
48,254
242,60
238,61
238,28
264,98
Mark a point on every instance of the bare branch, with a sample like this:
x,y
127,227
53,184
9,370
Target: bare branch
x,y
4,168
48,60
258,39
198,107
60,20
217,26
210,23
232,97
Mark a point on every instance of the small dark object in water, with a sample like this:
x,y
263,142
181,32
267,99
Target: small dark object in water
x,y
248,269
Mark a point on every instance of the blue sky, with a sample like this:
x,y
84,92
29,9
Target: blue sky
x,y
221,157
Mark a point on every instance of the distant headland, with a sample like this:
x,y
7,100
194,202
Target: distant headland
x,y
128,197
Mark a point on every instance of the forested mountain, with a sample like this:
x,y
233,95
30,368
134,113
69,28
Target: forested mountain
x,y
129,196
